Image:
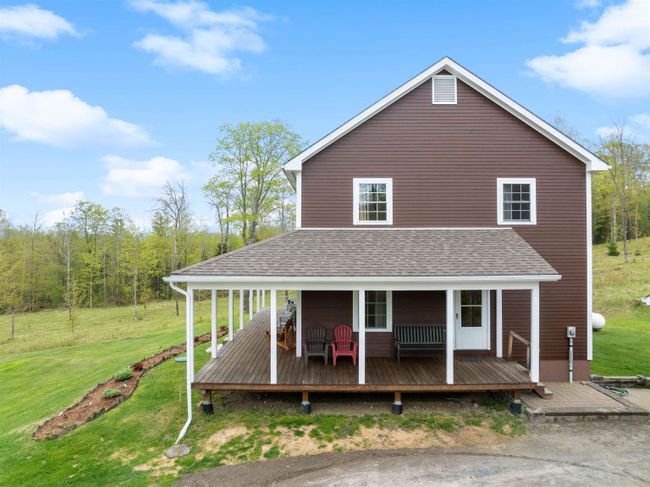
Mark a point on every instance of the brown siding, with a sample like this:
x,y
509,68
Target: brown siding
x,y
444,161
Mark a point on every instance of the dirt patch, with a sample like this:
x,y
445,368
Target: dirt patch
x,y
159,466
94,403
292,442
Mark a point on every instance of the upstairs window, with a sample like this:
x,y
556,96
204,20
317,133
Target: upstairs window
x,y
516,201
373,201
444,90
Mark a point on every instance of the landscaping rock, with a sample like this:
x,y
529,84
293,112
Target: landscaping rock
x,y
176,451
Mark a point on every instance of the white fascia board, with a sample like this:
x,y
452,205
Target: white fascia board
x,y
369,283
591,160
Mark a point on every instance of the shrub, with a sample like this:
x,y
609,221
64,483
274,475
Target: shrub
x,y
110,393
637,252
612,249
124,374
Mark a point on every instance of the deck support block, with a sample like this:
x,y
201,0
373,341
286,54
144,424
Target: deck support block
x,y
397,406
516,406
206,403
305,405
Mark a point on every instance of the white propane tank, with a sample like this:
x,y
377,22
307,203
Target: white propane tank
x,y
597,321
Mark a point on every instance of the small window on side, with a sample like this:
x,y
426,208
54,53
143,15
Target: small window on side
x,y
372,201
516,201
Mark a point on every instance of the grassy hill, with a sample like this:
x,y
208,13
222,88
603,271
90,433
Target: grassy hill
x,y
623,346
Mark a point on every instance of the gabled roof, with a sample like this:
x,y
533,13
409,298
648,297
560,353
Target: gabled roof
x,y
593,162
423,253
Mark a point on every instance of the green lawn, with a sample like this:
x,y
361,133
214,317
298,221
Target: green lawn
x,y
623,346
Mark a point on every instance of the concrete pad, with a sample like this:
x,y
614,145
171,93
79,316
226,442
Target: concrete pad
x,y
639,397
580,400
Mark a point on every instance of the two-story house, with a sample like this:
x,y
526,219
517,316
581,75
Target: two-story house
x,y
445,205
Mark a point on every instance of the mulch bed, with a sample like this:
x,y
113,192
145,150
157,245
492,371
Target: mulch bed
x,y
94,403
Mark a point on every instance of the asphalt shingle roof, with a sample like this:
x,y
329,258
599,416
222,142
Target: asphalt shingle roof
x,y
381,253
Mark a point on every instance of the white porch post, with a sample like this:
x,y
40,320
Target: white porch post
x,y
257,307
298,323
213,330
534,333
362,336
263,298
241,309
499,324
231,330
449,365
250,304
274,338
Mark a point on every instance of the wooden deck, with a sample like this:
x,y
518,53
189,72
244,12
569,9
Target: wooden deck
x,y
244,365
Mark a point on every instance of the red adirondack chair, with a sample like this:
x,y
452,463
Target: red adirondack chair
x,y
343,345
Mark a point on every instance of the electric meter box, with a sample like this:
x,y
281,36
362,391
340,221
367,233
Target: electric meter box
x,y
570,331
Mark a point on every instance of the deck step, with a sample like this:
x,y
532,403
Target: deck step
x,y
544,392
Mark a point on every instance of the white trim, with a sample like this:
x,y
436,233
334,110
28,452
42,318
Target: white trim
x,y
241,309
250,304
389,312
534,333
406,228
361,358
298,199
356,182
213,325
370,282
591,160
274,337
433,89
590,286
299,324
532,182
449,345
231,315
499,324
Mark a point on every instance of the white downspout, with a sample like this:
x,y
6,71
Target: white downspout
x,y
188,339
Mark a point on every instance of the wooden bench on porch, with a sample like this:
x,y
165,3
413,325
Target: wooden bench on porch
x,y
419,338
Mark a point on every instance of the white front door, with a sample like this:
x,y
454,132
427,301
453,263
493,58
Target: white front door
x,y
472,320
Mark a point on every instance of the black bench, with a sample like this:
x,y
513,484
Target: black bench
x,y
420,338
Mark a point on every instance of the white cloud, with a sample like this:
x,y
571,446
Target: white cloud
x,y
31,21
60,119
53,217
638,128
127,177
67,199
613,61
208,40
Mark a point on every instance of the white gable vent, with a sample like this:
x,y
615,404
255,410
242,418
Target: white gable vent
x,y
444,89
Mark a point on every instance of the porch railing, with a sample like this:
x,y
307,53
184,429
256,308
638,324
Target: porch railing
x,y
511,338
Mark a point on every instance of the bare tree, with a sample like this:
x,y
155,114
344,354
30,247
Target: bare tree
x,y
173,203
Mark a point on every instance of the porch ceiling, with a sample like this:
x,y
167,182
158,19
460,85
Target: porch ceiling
x,y
377,253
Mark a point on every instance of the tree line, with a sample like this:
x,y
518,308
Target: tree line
x,y
97,256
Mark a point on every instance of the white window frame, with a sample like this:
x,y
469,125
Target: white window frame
x,y
532,182
389,314
356,182
433,90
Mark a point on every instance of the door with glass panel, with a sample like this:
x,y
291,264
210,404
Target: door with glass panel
x,y
472,313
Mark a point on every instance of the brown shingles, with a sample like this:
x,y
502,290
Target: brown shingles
x,y
381,253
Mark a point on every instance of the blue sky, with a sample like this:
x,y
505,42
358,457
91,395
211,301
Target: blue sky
x,y
106,100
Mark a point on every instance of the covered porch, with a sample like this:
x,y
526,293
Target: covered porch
x,y
245,365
